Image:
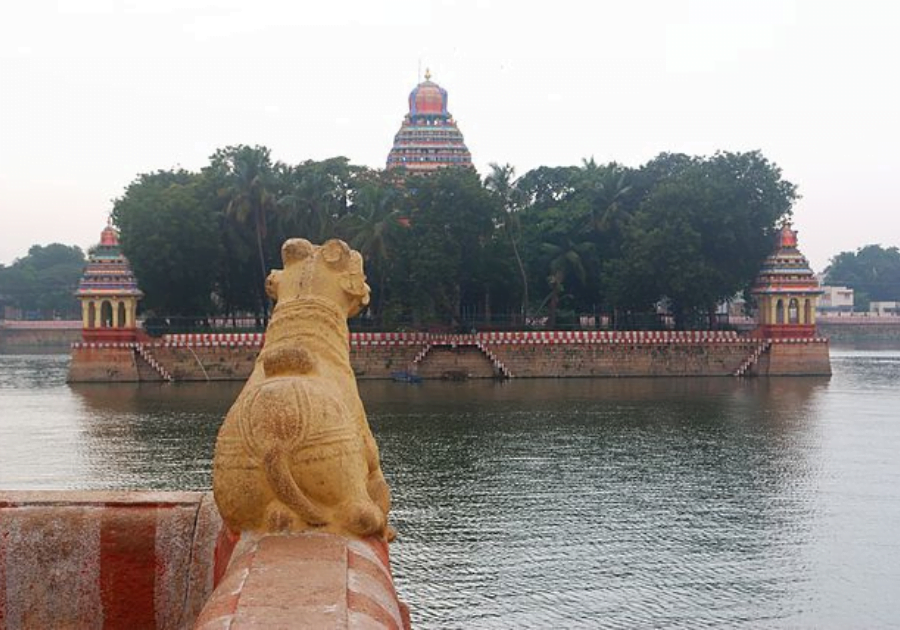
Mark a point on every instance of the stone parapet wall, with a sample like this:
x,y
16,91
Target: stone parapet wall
x,y
308,580
105,559
485,355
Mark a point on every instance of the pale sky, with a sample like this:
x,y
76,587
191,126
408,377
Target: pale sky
x,y
94,92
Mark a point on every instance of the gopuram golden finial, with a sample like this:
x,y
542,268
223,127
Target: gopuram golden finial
x,y
428,74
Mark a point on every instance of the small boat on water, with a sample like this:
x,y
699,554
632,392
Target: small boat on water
x,y
406,377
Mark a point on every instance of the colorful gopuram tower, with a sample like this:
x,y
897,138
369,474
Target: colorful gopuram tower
x,y
428,138
108,293
786,292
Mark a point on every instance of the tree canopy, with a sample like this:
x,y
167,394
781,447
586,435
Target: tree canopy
x,y
448,249
42,283
873,272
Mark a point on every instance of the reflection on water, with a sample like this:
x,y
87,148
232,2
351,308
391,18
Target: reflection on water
x,y
601,503
615,503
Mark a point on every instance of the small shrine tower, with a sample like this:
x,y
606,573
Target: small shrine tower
x,y
786,292
108,293
428,138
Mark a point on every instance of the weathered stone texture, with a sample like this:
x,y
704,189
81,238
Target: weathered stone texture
x,y
105,559
807,358
106,365
706,358
373,362
219,363
611,360
309,580
459,362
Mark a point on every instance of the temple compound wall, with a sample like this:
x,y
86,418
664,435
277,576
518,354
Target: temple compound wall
x,y
216,357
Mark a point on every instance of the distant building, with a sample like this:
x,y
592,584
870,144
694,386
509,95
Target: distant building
x,y
884,308
428,138
835,300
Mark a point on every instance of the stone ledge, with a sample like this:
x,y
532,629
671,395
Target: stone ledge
x,y
105,559
307,580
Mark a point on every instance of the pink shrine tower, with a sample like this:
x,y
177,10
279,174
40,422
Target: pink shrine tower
x,y
428,138
786,291
108,293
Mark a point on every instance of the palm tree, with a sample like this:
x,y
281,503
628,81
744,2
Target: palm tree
x,y
565,257
501,182
372,228
607,187
316,198
248,190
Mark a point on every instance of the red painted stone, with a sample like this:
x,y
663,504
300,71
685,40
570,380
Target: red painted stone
x,y
306,580
116,559
128,565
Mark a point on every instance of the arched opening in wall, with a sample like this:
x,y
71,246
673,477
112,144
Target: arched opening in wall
x,y
793,311
807,312
779,312
106,314
121,317
92,315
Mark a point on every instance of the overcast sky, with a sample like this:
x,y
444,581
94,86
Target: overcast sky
x,y
93,92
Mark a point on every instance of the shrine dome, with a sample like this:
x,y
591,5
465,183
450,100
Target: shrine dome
x,y
428,98
109,236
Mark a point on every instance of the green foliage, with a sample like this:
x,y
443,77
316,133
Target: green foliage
x,y
445,248
169,233
43,283
873,272
451,221
701,233
245,183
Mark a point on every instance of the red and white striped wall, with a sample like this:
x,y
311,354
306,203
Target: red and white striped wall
x,y
323,580
551,337
105,559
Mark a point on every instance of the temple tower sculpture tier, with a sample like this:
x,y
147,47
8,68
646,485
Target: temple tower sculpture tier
x,y
786,292
428,138
108,293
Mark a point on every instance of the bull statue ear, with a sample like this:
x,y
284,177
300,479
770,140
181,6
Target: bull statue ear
x,y
272,284
295,249
353,284
336,253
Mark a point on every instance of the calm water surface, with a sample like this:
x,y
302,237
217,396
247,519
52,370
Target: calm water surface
x,y
633,503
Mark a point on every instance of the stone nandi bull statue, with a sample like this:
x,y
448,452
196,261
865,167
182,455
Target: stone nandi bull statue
x,y
295,452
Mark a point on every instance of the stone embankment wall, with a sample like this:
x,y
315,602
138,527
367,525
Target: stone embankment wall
x,y
795,357
485,355
107,363
28,335
859,327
